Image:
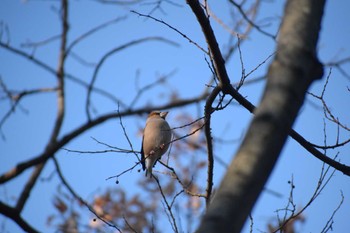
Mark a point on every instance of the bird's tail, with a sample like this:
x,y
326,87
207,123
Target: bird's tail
x,y
149,172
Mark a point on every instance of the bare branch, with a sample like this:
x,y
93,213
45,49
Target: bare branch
x,y
329,224
169,210
51,70
215,53
173,28
260,64
123,172
99,151
147,87
60,106
158,5
92,31
76,196
184,186
240,9
29,57
50,151
220,21
338,65
15,215
258,153
208,110
243,76
321,184
248,105
126,136
16,98
35,45
330,116
336,145
110,53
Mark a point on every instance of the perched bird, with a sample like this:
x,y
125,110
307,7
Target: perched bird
x,y
156,139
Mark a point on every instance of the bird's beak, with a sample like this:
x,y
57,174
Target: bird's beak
x,y
163,114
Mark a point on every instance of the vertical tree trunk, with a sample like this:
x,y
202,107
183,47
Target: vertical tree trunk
x,y
294,68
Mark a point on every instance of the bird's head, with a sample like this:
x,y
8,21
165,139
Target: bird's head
x,y
158,113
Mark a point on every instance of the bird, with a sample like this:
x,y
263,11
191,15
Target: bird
x,y
156,139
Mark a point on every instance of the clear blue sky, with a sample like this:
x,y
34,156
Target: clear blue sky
x,y
27,133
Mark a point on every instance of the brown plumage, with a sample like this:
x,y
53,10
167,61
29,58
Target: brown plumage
x,y
156,139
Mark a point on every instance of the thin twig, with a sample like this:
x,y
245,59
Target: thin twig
x,y
16,98
240,9
243,76
98,151
169,210
126,135
184,187
330,221
65,139
40,43
92,31
110,53
81,200
128,224
51,70
60,108
173,28
147,87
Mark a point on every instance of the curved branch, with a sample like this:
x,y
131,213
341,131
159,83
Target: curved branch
x,y
92,31
228,88
336,145
29,57
16,98
240,9
253,163
172,28
50,151
309,147
107,55
215,53
168,207
60,106
13,214
208,110
81,200
51,70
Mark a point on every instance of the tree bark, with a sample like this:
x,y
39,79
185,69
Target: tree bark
x,y
294,68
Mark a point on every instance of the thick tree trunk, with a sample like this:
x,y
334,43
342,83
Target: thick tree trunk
x,y
294,68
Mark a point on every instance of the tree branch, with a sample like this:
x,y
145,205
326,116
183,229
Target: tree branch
x,y
168,207
240,9
295,67
92,31
248,105
13,214
172,28
49,152
207,129
77,197
107,55
51,70
215,53
61,109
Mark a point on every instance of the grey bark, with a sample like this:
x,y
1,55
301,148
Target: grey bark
x,y
294,68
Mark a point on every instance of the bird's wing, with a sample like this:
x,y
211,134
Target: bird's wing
x,y
143,155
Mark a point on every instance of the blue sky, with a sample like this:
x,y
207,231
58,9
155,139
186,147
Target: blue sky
x,y
27,133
